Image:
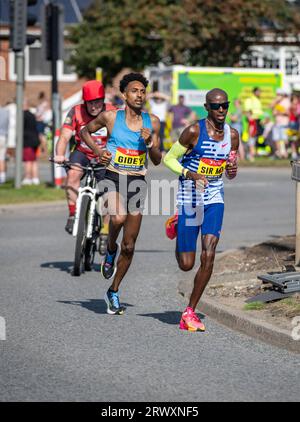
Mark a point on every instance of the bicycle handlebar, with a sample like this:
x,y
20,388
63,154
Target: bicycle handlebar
x,y
91,166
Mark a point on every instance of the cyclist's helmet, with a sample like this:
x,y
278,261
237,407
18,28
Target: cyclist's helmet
x,y
93,90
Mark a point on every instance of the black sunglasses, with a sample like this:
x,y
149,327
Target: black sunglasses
x,y
217,106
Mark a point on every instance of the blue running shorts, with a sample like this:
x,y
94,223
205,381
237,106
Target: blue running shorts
x,y
189,225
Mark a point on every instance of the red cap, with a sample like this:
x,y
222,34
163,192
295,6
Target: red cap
x,y
93,90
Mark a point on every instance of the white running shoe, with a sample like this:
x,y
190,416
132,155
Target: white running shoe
x,y
26,182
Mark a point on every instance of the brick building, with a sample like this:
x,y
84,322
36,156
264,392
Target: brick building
x,y
37,69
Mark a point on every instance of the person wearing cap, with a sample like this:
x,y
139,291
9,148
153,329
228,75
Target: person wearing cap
x,y
80,115
254,111
281,111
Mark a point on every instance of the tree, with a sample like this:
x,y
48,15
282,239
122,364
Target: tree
x,y
139,33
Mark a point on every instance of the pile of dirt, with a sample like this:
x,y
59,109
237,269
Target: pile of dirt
x,y
262,257
235,279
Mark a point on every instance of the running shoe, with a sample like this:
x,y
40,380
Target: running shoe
x,y
113,304
190,321
171,226
70,224
109,267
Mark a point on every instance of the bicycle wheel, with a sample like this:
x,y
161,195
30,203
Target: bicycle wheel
x,y
91,245
81,236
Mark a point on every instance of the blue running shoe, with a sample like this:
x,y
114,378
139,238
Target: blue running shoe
x,y
113,304
109,267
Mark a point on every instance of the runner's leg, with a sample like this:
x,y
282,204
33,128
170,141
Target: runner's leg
x,y
209,244
131,230
117,215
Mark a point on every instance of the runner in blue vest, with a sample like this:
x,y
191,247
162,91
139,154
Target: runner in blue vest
x,y
206,149
133,138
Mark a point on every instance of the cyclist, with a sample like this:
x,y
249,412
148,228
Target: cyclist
x,y
93,95
206,148
134,135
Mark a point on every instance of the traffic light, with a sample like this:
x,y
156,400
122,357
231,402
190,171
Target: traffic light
x,y
19,20
53,31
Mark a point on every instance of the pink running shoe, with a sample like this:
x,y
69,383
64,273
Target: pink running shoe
x,y
171,226
190,321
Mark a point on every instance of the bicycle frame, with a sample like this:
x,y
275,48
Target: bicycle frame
x,y
91,192
88,190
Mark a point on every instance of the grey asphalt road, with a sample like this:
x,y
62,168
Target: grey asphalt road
x,y
62,346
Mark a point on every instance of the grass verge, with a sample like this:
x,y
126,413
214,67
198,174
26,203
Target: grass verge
x,y
265,162
29,194
254,306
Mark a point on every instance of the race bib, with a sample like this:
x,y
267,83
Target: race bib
x,y
211,168
130,159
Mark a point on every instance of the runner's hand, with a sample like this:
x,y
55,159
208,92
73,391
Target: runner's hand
x,y
231,170
105,158
199,179
146,135
59,159
231,165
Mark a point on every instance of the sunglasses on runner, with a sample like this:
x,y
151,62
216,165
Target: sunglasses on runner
x,y
217,106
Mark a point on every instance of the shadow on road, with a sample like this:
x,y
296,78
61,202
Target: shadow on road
x,y
169,317
152,251
94,305
66,266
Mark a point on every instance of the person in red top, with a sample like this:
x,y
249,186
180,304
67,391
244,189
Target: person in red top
x,y
80,115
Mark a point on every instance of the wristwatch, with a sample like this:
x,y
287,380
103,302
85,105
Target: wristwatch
x,y
149,146
185,172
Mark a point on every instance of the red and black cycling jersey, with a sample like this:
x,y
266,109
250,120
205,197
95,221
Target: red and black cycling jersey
x,y
76,119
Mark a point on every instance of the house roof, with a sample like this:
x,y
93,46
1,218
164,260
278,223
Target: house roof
x,y
72,10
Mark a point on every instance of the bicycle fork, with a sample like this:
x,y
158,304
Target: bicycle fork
x,y
90,219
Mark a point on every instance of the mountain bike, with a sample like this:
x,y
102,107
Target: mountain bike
x,y
88,219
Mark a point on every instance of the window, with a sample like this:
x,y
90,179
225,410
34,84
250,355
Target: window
x,y
39,69
37,64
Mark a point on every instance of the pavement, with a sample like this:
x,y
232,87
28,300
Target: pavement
x,y
253,324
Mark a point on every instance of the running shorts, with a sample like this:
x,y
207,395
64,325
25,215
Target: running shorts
x,y
189,225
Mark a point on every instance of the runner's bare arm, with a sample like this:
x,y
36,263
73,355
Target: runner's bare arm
x,y
190,135
102,120
154,151
188,139
232,165
235,139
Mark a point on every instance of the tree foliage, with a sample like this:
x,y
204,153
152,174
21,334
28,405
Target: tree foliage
x,y
138,33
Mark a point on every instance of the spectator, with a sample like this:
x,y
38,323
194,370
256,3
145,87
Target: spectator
x,y
267,133
117,102
281,110
254,111
294,125
42,118
12,111
4,124
236,121
30,146
182,117
159,106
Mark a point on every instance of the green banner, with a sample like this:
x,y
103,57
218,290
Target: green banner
x,y
238,84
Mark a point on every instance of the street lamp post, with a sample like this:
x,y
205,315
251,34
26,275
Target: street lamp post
x,y
296,177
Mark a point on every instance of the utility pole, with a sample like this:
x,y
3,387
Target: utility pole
x,y
19,57
296,177
53,39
